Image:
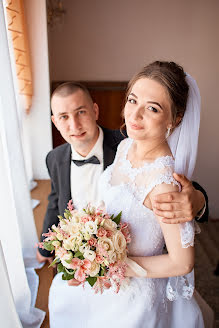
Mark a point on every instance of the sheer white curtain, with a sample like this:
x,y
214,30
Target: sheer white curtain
x,y
8,314
22,79
18,232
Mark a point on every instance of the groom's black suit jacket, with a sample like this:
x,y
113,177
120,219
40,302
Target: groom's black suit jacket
x,y
58,162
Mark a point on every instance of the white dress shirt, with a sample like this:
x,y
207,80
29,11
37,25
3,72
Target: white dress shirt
x,y
84,179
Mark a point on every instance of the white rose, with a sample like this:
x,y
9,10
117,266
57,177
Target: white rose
x,y
121,256
90,209
59,236
108,224
54,228
62,224
73,228
68,244
64,227
83,248
106,244
112,256
91,227
90,255
67,257
87,236
95,268
119,242
75,216
78,239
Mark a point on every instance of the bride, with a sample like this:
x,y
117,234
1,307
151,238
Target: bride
x,y
162,116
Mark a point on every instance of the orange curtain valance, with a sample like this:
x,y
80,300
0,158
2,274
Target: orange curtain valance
x,y
17,28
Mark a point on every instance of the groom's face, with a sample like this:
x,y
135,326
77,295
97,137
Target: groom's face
x,y
75,117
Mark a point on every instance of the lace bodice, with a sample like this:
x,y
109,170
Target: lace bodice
x,y
125,188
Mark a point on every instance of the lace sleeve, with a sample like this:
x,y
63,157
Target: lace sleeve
x,y
181,286
164,174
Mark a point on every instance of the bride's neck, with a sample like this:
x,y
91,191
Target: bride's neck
x,y
148,151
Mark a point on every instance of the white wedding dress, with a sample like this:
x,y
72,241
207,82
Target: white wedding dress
x,y
145,302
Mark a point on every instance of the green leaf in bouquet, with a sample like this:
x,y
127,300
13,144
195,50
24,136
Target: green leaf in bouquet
x,y
68,261
60,217
67,276
48,246
79,255
54,262
91,280
67,214
102,271
71,272
60,268
112,216
118,218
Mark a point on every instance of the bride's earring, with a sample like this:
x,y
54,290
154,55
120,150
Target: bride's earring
x,y
168,132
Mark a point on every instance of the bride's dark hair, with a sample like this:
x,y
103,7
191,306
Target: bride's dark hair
x,y
172,77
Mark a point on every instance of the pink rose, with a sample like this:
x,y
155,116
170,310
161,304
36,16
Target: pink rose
x,y
99,259
85,219
101,232
109,233
99,218
92,242
99,212
125,232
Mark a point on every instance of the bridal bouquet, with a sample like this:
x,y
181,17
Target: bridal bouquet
x,y
90,246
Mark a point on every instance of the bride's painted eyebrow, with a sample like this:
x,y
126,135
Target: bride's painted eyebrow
x,y
150,102
155,103
132,94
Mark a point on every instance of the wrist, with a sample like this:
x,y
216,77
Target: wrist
x,y
202,205
201,212
201,201
134,269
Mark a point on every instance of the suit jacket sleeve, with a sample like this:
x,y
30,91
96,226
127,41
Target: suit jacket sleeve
x,y
52,208
206,213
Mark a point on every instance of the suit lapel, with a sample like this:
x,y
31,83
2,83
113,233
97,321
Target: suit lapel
x,y
109,148
65,178
108,155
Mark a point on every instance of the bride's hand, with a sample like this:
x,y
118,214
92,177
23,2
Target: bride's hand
x,y
179,207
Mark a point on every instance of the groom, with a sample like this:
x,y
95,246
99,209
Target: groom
x,y
76,166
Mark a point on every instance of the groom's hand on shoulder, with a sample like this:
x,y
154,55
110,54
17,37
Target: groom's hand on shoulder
x,y
179,207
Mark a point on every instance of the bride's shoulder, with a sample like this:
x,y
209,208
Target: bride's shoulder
x,y
124,144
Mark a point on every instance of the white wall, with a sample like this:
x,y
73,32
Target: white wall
x,y
37,124
111,40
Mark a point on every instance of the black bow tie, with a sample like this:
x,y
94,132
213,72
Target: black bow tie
x,y
91,160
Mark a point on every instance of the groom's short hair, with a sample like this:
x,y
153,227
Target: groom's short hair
x,y
68,88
